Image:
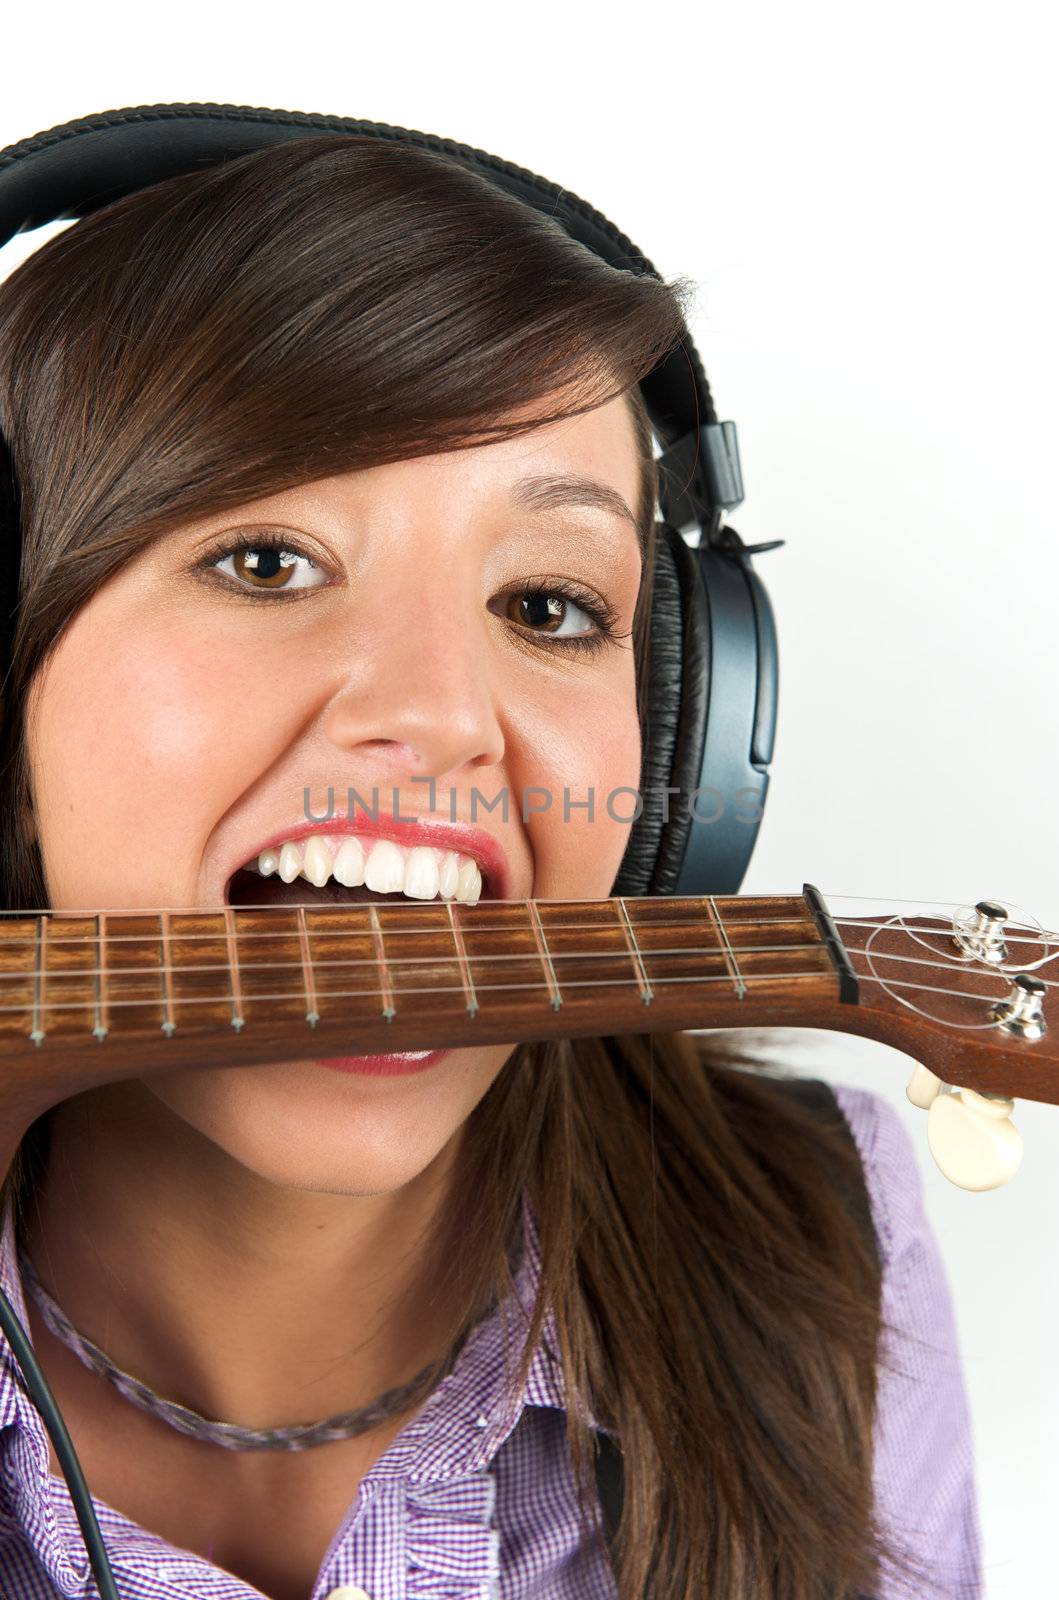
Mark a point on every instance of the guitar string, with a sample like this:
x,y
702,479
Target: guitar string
x,y
322,964
336,909
963,1027
492,989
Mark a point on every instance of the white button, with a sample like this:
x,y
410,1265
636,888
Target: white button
x,y
349,1591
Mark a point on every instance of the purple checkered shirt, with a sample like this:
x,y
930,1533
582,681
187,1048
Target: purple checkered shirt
x,y
472,1501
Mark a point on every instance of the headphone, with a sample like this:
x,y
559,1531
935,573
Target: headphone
x,y
712,670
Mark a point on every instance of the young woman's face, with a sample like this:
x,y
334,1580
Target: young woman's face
x,y
194,700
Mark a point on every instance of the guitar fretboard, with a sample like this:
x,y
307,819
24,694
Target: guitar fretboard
x,y
401,975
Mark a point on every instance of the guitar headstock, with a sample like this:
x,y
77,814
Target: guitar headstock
x,y
971,990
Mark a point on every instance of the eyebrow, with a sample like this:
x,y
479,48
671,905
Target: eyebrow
x,y
547,491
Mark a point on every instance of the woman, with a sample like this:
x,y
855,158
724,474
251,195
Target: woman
x,y
274,426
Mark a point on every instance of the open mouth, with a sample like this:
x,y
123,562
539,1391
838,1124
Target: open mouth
x,y
348,871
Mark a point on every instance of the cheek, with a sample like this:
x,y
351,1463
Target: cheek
x,y
580,746
135,736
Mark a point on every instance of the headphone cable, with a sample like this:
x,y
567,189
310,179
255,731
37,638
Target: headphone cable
x,y
40,1392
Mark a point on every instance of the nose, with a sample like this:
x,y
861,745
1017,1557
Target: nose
x,y
419,696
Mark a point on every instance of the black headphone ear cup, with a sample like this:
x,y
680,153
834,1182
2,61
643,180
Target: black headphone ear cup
x,y
673,730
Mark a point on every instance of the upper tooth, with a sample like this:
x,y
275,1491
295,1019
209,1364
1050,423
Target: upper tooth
x,y
469,882
349,863
448,873
290,862
421,873
384,868
317,863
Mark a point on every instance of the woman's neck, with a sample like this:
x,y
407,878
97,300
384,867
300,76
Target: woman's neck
x,y
250,1302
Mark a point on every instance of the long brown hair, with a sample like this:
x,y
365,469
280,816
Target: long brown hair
x,y
335,303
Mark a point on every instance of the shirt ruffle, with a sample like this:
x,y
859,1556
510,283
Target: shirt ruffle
x,y
452,1544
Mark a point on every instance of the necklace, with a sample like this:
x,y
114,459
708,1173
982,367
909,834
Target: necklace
x,y
298,1436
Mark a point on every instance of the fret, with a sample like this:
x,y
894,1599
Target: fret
x,y
388,1009
101,1029
37,1034
675,943
546,959
264,970
168,1024
203,975
232,942
132,987
646,992
770,939
591,955
729,953
18,948
465,966
312,1015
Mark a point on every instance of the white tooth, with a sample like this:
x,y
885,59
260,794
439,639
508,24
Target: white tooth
x,y
448,873
469,882
349,863
421,873
317,863
267,862
290,862
384,868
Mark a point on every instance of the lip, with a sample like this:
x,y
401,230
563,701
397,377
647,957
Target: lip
x,y
487,851
384,1066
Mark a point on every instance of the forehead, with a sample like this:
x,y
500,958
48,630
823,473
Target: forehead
x,y
591,459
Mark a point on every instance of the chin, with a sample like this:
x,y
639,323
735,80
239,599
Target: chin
x,y
303,1128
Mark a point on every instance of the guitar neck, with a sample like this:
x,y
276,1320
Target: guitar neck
x,y
246,985
270,983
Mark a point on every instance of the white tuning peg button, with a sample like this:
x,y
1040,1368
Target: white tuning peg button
x,y
973,1140
923,1087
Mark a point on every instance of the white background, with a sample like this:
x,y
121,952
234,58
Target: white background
x,y
866,199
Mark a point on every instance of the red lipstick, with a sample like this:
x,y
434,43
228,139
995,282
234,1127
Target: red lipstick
x,y
397,1064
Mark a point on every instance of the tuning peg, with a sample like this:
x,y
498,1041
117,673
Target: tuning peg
x,y
972,1138
923,1087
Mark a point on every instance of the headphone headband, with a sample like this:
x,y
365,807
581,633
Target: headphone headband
x,y
78,168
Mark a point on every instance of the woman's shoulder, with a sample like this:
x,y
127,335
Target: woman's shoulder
x,y
924,1438
892,1172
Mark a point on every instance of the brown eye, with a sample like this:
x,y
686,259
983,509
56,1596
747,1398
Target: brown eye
x,y
546,612
268,567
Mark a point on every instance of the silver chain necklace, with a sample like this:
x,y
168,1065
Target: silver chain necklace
x,y
298,1436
